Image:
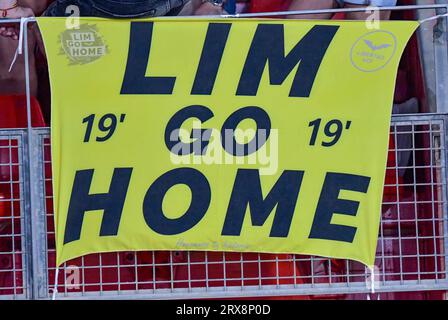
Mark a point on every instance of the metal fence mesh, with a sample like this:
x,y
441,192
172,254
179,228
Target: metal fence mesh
x,y
12,237
411,252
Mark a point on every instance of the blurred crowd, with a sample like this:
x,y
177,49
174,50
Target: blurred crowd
x,y
12,80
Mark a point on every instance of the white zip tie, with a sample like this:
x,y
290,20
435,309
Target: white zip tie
x,y
372,281
55,289
433,18
19,49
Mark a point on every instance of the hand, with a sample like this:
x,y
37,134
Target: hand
x,y
11,30
207,9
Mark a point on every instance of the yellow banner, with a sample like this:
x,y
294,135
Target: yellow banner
x,y
220,135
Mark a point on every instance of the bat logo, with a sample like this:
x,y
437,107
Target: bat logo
x,y
374,47
373,51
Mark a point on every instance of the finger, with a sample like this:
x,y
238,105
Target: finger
x,y
4,34
11,31
30,12
21,13
196,4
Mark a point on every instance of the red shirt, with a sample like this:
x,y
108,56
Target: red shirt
x,y
269,5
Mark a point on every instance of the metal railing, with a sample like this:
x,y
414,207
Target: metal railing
x,y
411,252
